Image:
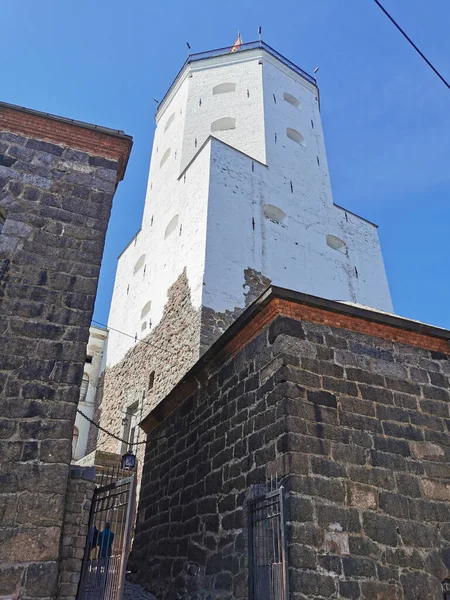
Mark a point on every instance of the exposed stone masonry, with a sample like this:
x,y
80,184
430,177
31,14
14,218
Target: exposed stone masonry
x,y
357,427
215,323
57,200
168,352
76,520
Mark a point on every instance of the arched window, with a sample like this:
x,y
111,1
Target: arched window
x,y
295,136
224,88
169,122
151,380
173,224
75,435
336,243
165,157
84,387
274,214
291,99
130,426
223,124
2,218
146,309
139,264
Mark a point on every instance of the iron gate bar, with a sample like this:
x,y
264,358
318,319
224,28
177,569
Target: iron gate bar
x,y
268,567
104,563
127,537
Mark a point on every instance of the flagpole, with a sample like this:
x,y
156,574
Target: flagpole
x,y
259,34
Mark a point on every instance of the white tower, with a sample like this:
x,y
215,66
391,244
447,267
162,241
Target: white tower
x,y
239,196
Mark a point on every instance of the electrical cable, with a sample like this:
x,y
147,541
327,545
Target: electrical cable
x,y
116,437
135,338
412,43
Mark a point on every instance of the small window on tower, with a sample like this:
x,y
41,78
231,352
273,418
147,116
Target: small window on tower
x,y
75,436
224,88
274,214
165,157
223,124
173,224
295,136
139,263
169,122
84,387
130,431
146,309
337,244
151,380
291,99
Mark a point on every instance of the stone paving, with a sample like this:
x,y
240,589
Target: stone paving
x,y
132,591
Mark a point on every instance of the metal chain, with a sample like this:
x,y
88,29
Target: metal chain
x,y
116,437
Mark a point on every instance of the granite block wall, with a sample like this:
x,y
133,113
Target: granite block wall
x,y
57,200
357,428
79,496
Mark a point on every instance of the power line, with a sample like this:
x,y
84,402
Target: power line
x,y
444,81
116,437
136,339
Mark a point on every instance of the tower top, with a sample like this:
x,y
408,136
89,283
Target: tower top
x,y
233,53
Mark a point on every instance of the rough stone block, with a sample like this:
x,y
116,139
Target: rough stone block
x,y
363,496
380,529
28,544
40,509
436,490
426,450
41,579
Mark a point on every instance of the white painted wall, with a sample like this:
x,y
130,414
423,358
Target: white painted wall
x,y
245,104
293,254
165,259
94,351
219,186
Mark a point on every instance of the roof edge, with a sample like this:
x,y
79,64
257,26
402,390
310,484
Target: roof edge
x,y
211,138
218,351
254,45
94,139
351,212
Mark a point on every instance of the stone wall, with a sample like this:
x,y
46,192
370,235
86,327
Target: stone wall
x,y
173,346
167,353
57,182
357,428
75,529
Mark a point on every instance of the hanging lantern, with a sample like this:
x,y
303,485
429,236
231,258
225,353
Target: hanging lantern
x,y
128,461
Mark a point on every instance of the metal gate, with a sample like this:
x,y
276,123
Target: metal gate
x,y
109,534
268,573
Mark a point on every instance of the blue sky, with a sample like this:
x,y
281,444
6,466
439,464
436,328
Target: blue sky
x,y
385,114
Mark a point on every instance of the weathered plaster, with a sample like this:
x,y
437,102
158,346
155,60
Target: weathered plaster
x,y
215,323
168,352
